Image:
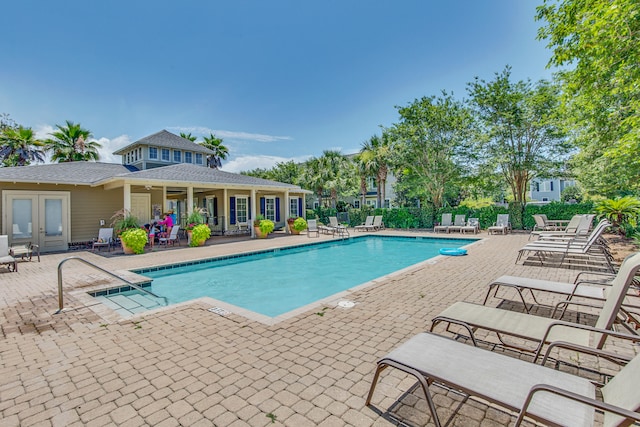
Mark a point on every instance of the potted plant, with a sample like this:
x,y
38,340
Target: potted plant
x,y
133,240
296,225
195,218
199,235
266,227
256,223
122,221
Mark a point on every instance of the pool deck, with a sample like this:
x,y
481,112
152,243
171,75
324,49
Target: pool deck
x,y
185,365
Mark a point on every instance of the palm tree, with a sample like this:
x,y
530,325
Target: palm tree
x,y
363,174
312,177
375,154
220,152
337,172
18,147
71,143
188,136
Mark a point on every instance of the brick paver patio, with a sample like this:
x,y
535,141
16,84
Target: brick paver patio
x,y
187,366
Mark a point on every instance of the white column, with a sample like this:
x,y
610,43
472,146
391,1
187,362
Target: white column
x,y
225,211
189,200
253,212
127,197
287,211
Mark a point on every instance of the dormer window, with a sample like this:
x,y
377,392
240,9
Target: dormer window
x,y
177,156
153,153
165,155
188,157
198,158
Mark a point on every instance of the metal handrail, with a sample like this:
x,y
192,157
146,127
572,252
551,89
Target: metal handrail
x,y
133,285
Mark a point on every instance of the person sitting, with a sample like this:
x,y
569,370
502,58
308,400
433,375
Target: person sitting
x,y
167,223
152,231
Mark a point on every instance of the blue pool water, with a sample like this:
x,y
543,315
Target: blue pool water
x,y
279,281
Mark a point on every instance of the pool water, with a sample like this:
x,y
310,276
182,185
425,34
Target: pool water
x,y
279,281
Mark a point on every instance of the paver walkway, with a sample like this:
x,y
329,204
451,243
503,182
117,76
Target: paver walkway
x,y
187,366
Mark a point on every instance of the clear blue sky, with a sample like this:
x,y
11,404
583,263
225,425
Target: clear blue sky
x,y
277,80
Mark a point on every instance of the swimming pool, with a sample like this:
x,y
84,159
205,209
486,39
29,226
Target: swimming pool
x,y
275,282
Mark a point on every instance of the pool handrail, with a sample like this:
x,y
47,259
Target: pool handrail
x,y
133,285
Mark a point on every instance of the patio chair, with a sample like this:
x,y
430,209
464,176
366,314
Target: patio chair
x,y
589,288
172,238
577,226
336,227
459,222
5,258
586,248
473,226
502,225
377,223
368,222
104,239
445,223
543,330
540,393
24,250
312,227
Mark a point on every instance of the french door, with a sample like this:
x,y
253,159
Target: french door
x,y
41,218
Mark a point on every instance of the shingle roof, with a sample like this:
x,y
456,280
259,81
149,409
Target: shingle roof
x,y
84,173
93,173
166,139
185,172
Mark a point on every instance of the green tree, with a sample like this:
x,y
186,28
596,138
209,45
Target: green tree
x,y
313,178
520,131
188,136
622,212
596,44
19,147
338,173
70,143
7,122
362,170
428,140
376,153
220,152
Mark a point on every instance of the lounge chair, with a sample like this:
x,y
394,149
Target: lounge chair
x,y
459,222
585,249
368,223
543,224
542,330
537,392
502,225
473,226
579,225
444,224
312,227
336,227
377,223
172,238
104,239
5,258
588,288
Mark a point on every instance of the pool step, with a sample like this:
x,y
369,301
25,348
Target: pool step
x,y
131,302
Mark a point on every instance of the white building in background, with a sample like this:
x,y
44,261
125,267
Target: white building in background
x,y
549,189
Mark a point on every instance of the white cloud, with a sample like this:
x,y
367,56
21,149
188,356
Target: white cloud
x,y
245,163
111,145
228,134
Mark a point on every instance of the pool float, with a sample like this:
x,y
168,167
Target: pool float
x,y
453,251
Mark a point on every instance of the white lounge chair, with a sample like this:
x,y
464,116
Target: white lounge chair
x,y
445,223
5,258
377,223
459,222
104,239
368,223
542,330
312,227
589,288
578,225
336,227
172,238
502,225
473,226
537,392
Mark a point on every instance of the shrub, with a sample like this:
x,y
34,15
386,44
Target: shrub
x,y
199,234
135,239
299,224
622,212
266,226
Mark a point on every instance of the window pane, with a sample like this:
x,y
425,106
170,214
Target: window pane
x,y
165,155
177,156
153,153
241,209
22,219
293,206
187,157
270,208
198,158
53,217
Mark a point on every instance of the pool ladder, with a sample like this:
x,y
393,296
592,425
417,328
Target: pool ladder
x,y
133,285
